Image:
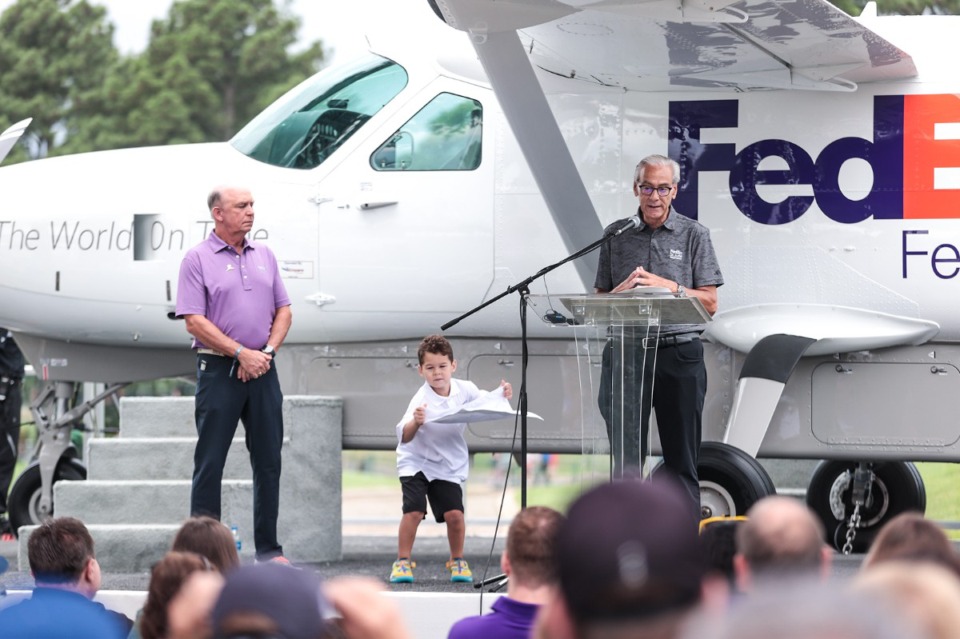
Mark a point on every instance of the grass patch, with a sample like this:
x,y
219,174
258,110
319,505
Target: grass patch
x,y
358,479
557,496
942,483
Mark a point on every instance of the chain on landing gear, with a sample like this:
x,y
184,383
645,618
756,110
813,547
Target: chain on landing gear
x,y
860,495
852,526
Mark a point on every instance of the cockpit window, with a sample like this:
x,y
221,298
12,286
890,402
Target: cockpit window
x,y
301,129
445,135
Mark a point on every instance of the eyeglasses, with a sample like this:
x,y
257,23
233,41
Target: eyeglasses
x,y
662,190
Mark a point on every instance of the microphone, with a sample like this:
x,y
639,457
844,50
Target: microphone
x,y
631,223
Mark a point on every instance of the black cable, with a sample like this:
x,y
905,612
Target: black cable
x,y
502,579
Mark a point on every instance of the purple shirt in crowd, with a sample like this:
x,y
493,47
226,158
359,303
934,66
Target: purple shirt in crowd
x,y
240,294
510,619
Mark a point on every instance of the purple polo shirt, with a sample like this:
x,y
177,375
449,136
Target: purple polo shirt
x,y
240,294
510,619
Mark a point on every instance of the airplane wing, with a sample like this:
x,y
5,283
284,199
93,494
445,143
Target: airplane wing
x,y
9,137
649,45
831,329
652,45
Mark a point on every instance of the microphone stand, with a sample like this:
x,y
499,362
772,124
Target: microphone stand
x,y
524,289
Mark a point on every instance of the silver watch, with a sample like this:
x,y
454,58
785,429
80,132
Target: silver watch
x,y
681,292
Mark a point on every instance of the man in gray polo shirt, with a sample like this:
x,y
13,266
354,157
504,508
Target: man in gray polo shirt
x,y
237,309
674,252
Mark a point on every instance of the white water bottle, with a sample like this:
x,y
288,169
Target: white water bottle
x,y
236,537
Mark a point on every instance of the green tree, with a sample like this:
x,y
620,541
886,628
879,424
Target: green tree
x,y
53,55
210,66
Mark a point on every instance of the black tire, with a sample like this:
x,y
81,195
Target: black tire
x,y
25,495
730,480
897,488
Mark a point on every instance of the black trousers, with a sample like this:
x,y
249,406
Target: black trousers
x,y
11,388
222,401
672,381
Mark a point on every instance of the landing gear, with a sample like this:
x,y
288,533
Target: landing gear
x,y
882,490
56,412
26,496
730,480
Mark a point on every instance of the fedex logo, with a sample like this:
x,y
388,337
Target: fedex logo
x,y
914,156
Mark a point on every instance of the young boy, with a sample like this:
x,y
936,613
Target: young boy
x,y
432,458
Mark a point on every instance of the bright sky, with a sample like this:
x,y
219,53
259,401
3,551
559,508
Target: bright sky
x,y
338,24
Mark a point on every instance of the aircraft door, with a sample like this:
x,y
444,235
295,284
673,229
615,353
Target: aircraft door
x,y
286,221
413,233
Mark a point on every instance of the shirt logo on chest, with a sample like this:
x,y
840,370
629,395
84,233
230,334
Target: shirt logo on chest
x,y
229,267
676,254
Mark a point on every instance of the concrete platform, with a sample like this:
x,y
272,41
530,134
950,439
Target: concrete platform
x,y
138,489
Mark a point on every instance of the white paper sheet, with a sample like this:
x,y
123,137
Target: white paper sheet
x,y
488,407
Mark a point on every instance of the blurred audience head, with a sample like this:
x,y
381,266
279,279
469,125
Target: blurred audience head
x,y
629,562
719,545
927,593
911,537
529,557
208,537
166,578
804,608
781,537
270,599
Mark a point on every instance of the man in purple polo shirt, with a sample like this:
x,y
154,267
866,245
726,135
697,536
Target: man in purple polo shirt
x,y
530,565
237,309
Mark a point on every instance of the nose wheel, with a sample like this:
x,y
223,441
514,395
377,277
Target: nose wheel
x,y
895,487
730,480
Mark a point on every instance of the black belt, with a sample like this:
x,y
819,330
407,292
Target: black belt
x,y
669,340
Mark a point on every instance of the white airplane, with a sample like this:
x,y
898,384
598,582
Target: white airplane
x,y
405,188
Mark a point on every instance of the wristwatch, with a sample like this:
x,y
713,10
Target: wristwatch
x,y
269,350
681,292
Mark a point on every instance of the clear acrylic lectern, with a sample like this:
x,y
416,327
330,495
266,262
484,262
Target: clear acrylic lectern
x,y
616,340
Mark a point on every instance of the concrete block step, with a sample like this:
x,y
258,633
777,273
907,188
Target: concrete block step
x,y
151,474
157,417
160,458
145,502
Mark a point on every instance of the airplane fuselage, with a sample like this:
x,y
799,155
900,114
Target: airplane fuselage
x,y
844,200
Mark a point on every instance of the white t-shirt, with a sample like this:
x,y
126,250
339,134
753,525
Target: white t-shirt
x,y
439,451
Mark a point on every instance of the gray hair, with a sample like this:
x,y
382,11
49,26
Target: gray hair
x,y
213,199
657,160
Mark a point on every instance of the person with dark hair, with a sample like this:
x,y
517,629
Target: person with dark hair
x,y
911,537
236,307
432,458
629,562
12,365
719,544
209,538
780,538
67,575
166,578
528,563
670,251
